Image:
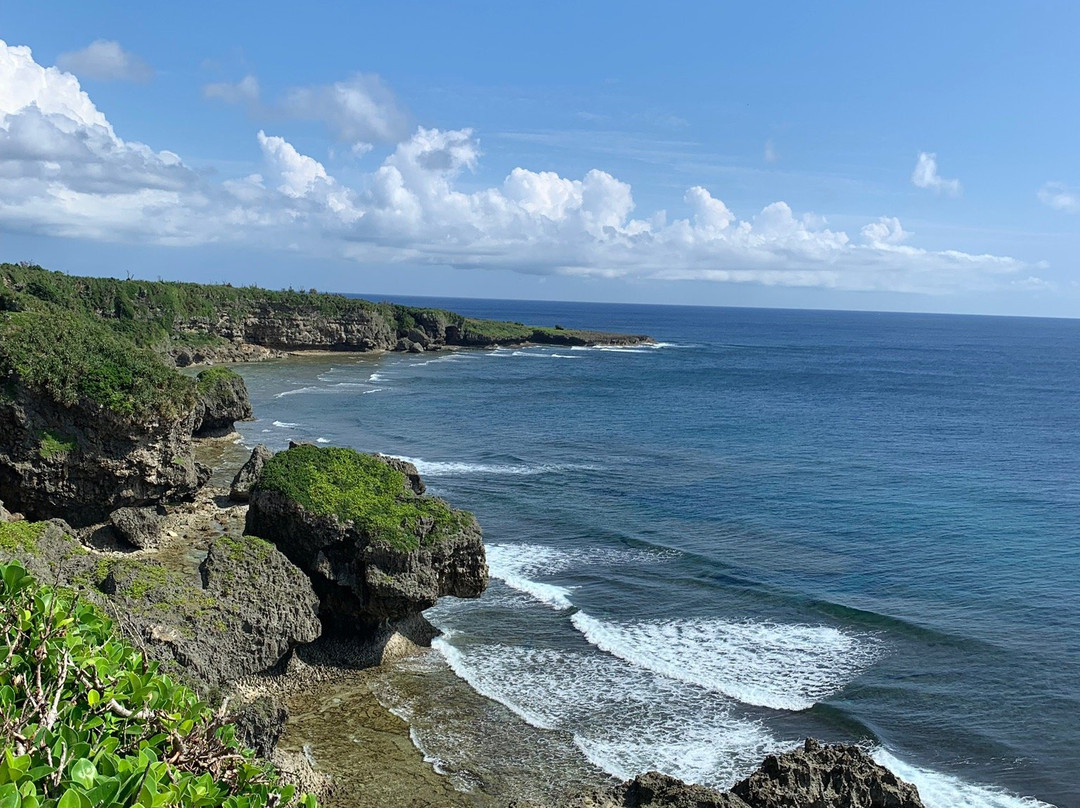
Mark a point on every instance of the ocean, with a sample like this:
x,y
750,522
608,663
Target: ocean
x,y
863,527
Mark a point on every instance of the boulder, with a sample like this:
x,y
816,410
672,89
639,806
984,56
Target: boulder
x,y
825,776
376,552
260,724
656,790
240,612
223,400
412,476
140,527
245,479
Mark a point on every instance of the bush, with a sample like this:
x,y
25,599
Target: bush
x,y
85,720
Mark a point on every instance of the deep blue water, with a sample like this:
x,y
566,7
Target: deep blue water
x,y
778,523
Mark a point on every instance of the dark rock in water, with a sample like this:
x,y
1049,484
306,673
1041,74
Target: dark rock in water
x,y
140,527
406,468
241,612
656,790
415,347
223,400
82,462
259,724
245,479
819,776
364,578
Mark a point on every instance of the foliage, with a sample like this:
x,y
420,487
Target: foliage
x,y
217,378
53,444
359,488
86,721
72,358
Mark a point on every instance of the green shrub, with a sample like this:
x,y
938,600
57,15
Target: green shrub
x,y
86,721
360,489
72,357
53,444
216,378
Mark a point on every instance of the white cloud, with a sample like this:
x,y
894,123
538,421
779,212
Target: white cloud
x,y
105,60
243,92
1058,197
770,155
65,172
926,175
886,230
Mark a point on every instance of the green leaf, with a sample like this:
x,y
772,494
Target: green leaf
x,y
83,772
70,800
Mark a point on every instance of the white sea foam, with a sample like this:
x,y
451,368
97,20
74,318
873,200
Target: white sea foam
x,y
623,719
375,377
321,440
939,790
513,564
776,665
285,425
609,348
523,566
299,390
439,468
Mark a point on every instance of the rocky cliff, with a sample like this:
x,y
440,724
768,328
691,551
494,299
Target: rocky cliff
x,y
80,462
376,550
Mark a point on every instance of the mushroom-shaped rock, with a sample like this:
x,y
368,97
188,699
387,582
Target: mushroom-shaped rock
x,y
375,550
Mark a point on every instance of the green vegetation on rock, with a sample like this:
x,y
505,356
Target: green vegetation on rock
x,y
20,537
56,445
211,380
86,720
361,489
72,358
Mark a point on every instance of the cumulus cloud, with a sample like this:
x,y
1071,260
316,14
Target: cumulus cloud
x,y
1058,197
105,60
65,172
926,175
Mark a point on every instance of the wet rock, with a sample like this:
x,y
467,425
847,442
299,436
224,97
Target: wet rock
x,y
823,776
140,527
245,479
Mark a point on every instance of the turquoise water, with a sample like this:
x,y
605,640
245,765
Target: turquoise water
x,y
776,523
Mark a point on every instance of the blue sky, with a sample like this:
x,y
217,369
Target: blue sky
x,y
843,155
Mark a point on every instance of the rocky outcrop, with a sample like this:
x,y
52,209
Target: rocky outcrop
x,y
139,527
84,461
815,776
412,476
260,724
223,400
240,612
823,776
364,580
245,479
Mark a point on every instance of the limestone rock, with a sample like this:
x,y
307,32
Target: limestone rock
x,y
240,612
362,581
140,527
260,724
820,776
245,479
406,468
223,400
82,462
656,790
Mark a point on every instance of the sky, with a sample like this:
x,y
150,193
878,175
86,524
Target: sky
x,y
851,155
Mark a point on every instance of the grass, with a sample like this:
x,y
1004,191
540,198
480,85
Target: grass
x,y
358,488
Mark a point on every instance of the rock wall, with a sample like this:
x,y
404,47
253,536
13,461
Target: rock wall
x,y
80,463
